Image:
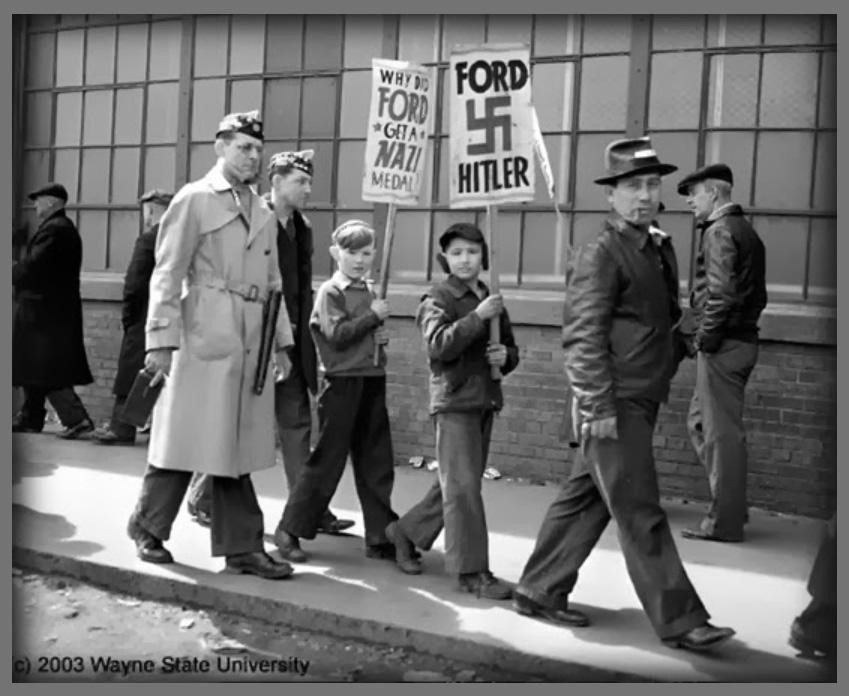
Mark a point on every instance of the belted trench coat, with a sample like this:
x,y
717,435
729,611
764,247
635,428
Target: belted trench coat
x,y
208,257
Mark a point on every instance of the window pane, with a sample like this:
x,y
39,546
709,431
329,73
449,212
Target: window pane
x,y
733,91
604,91
207,108
247,44
95,176
283,47
322,227
508,238
100,56
559,149
676,90
36,172
363,39
201,160
508,29
128,114
789,90
680,149
162,113
132,52
607,33
822,267
66,170
825,181
552,87
734,30
588,167
461,29
778,185
356,99
68,118
38,115
319,104
39,60
92,227
737,150
322,170
829,29
323,42
41,21
828,92
409,246
69,70
246,95
124,228
349,182
417,38
211,45
68,20
586,228
159,170
282,108
792,29
677,31
165,50
785,241
125,174
556,35
543,248
97,126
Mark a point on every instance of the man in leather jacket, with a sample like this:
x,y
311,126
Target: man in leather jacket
x,y
621,339
729,294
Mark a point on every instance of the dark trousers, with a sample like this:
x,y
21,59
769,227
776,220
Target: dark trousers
x,y
454,500
352,419
616,478
123,430
237,525
68,406
715,423
818,621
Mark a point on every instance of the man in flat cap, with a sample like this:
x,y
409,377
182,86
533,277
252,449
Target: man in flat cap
x,y
290,176
620,335
48,353
216,240
728,296
133,315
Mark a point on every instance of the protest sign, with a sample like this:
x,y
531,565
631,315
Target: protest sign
x,y
399,123
492,138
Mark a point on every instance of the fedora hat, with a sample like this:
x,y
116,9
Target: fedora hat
x,y
630,157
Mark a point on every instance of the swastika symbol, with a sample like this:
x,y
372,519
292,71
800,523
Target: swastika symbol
x,y
489,123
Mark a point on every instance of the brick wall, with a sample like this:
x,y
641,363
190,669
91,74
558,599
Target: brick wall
x,y
790,414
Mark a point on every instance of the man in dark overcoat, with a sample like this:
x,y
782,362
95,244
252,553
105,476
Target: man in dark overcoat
x,y
133,315
48,354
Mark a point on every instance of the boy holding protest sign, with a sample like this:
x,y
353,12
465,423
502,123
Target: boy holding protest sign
x,y
346,324
453,317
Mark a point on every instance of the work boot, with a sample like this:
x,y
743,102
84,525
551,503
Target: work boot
x,y
78,430
484,584
107,436
258,563
330,524
148,547
704,637
565,617
289,546
404,550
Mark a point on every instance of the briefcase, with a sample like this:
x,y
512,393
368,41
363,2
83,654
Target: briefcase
x,y
141,399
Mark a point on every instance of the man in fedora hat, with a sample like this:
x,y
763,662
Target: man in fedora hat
x,y
48,353
133,315
728,296
621,342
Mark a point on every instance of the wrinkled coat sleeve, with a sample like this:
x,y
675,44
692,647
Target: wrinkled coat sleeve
x,y
137,280
446,338
720,253
283,334
588,311
331,318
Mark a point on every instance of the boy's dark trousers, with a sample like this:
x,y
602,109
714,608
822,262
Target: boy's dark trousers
x,y
616,478
455,501
352,419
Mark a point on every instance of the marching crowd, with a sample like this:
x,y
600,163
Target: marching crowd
x,y
193,313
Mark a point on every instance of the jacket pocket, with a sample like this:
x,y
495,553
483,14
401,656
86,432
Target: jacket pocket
x,y
211,331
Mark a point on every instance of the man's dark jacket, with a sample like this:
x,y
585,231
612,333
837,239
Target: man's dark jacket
x,y
729,288
134,311
47,325
620,319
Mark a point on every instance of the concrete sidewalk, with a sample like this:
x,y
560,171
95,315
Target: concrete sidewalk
x,y
72,499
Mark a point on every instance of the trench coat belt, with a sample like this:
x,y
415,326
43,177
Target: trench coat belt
x,y
250,293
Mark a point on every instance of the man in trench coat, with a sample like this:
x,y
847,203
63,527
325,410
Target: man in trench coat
x,y
48,353
216,262
133,314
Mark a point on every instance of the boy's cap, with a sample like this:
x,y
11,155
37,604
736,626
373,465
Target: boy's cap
x,y
464,230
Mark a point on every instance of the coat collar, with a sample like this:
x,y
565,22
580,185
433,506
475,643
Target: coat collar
x,y
261,214
458,288
638,236
343,282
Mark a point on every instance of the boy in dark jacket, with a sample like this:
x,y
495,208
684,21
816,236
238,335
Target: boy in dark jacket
x,y
453,317
346,324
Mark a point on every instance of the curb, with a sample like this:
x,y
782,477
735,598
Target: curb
x,y
250,606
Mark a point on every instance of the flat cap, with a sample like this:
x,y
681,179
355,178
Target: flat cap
x,y
52,189
156,196
248,123
712,171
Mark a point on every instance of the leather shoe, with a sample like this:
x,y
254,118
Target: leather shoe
x,y
76,431
706,536
258,563
148,547
289,546
110,437
19,425
566,617
484,584
704,637
808,643
203,518
404,549
333,525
